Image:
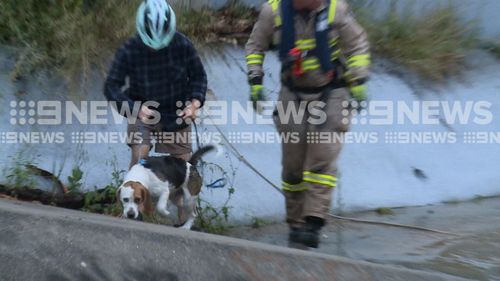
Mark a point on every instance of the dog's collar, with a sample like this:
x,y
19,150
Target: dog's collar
x,y
142,162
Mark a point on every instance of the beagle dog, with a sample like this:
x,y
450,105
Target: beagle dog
x,y
165,178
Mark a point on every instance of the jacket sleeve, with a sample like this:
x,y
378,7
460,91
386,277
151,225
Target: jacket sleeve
x,y
116,80
196,74
259,42
353,43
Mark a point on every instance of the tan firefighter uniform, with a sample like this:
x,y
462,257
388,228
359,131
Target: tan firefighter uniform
x,y
309,169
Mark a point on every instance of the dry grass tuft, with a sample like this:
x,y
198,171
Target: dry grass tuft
x,y
69,35
433,44
74,36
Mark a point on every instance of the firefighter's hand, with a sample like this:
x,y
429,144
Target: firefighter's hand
x,y
359,92
257,95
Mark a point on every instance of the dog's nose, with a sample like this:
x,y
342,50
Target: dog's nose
x,y
130,214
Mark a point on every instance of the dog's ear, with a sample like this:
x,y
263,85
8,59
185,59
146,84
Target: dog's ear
x,y
148,205
117,200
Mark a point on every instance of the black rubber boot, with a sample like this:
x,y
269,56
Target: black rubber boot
x,y
294,238
309,235
294,234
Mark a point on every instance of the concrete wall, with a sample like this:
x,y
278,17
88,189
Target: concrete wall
x,y
372,175
45,243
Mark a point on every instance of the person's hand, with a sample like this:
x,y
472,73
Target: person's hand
x,y
357,86
257,95
145,113
190,112
359,92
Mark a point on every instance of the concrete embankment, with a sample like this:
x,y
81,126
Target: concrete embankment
x,y
47,243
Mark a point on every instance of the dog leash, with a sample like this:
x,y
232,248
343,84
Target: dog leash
x,y
142,130
218,183
196,134
242,158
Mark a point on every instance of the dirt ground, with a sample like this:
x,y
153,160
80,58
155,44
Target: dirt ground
x,y
474,253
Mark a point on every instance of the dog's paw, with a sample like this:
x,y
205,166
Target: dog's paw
x,y
186,227
164,212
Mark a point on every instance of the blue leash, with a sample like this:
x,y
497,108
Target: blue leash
x,y
220,183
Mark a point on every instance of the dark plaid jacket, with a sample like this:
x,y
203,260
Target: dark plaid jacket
x,y
168,76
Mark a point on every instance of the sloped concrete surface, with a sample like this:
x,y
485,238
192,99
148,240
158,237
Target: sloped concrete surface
x,y
360,162
46,243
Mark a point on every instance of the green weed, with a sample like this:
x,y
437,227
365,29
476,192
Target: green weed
x,y
258,222
75,180
18,174
213,219
492,47
98,201
384,211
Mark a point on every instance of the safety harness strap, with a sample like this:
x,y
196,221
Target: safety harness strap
x,y
321,46
275,4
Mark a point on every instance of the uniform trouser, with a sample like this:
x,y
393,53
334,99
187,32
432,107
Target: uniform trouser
x,y
309,163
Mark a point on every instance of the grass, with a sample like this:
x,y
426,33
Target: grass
x,y
17,173
384,211
492,47
232,24
259,223
71,36
433,44
214,219
477,199
496,50
75,36
452,202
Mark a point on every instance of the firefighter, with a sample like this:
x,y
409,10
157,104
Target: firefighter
x,y
325,61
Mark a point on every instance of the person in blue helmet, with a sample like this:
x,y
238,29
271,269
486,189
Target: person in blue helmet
x,y
161,66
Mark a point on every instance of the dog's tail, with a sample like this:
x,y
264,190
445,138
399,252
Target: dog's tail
x,y
202,151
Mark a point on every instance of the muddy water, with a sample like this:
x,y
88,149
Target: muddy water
x,y
473,254
475,257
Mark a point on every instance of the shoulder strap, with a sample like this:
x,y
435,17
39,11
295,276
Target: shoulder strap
x,y
322,30
287,25
275,4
